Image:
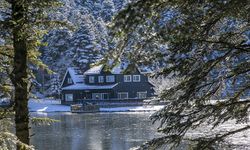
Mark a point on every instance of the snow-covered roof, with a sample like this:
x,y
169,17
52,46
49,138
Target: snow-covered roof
x,y
94,70
145,69
83,86
76,75
118,69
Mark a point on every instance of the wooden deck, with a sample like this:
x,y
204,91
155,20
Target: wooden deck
x,y
80,108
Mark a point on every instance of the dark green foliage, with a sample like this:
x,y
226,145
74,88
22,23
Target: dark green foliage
x,y
23,24
204,43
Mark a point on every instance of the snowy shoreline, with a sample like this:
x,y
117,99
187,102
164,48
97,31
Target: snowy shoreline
x,y
50,106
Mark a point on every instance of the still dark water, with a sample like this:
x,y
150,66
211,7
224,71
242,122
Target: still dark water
x,y
93,131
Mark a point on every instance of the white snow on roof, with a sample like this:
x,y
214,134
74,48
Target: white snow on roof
x,y
83,86
76,75
94,70
118,69
145,70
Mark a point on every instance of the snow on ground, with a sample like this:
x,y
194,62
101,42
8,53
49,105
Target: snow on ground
x,y
47,105
132,109
50,105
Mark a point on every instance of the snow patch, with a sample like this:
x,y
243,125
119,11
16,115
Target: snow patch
x,y
51,105
47,105
83,86
94,70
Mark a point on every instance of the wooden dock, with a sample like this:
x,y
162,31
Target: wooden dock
x,y
84,108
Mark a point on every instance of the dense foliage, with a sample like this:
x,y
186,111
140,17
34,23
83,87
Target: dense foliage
x,y
23,24
82,46
204,43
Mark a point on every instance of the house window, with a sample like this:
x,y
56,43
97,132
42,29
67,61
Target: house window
x,y
123,95
136,78
91,79
68,97
127,78
100,96
70,81
100,79
141,95
110,78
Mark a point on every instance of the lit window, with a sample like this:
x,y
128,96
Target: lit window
x,y
100,96
136,78
100,79
142,95
127,78
91,79
69,81
123,95
110,78
68,97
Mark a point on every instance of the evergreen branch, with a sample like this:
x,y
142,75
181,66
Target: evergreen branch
x,y
43,121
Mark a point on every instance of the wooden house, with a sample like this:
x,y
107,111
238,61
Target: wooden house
x,y
99,84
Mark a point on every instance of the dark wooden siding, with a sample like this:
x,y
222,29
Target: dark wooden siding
x,y
85,94
118,78
65,82
133,87
96,79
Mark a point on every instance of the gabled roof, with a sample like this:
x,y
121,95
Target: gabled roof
x,y
94,70
75,74
83,86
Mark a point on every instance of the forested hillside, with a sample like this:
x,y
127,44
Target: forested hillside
x,y
79,46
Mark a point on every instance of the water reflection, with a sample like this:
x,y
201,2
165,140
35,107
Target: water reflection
x,y
94,131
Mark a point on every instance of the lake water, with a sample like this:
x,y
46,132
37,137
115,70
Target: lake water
x,y
93,131
113,131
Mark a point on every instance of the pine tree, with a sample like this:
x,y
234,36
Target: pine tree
x,y
206,44
23,21
107,10
54,84
90,19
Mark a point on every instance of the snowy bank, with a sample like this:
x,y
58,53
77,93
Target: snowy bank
x,y
132,109
50,105
47,105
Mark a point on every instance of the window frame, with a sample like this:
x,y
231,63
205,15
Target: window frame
x,y
110,77
138,94
120,93
91,79
67,95
125,78
101,96
134,77
69,81
101,79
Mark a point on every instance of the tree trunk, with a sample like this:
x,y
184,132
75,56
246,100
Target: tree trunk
x,y
20,75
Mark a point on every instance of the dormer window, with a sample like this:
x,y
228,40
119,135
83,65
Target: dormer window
x,y
127,78
110,78
136,78
70,81
91,79
100,79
